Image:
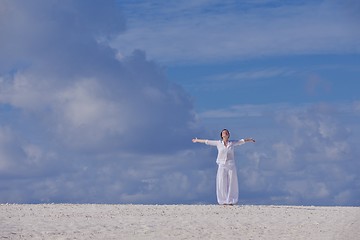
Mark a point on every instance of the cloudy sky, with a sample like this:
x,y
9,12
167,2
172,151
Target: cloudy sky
x,y
99,100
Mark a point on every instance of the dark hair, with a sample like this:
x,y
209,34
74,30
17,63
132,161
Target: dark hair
x,y
222,131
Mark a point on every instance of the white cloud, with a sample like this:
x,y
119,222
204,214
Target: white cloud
x,y
80,124
19,158
356,106
236,111
251,75
85,122
284,155
218,30
305,154
83,110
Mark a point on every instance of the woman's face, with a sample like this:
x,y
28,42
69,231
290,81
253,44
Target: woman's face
x,y
225,135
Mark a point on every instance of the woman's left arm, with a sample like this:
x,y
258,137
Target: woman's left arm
x,y
249,140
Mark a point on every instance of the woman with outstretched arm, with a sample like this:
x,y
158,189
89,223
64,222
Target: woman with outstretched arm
x,y
227,190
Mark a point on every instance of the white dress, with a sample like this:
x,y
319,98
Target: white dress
x,y
227,189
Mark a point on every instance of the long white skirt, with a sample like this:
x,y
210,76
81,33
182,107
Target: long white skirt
x,y
227,189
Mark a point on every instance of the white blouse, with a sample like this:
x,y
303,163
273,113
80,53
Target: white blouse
x,y
225,153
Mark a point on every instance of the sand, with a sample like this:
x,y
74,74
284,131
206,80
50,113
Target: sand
x,y
103,221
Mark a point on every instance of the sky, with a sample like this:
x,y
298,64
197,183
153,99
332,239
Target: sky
x,y
99,100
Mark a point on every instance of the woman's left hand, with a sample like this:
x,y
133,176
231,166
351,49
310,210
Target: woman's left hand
x,y
249,140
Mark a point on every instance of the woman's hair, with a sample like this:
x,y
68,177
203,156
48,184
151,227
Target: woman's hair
x,y
222,131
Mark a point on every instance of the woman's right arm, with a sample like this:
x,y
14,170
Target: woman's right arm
x,y
207,142
197,140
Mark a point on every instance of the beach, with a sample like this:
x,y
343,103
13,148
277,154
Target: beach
x,y
117,221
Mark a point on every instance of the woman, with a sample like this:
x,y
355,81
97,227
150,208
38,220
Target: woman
x,y
227,190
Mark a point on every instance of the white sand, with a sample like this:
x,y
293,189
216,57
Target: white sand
x,y
92,221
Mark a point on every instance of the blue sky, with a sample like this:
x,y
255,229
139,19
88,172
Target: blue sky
x,y
99,100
